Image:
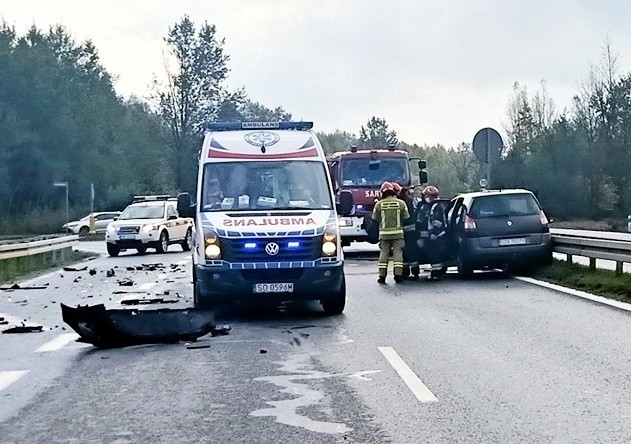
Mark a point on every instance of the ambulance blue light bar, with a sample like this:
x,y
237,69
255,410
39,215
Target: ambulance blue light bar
x,y
237,126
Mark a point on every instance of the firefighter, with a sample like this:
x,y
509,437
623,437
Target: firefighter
x,y
436,232
410,236
389,213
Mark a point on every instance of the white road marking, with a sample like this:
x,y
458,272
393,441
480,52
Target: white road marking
x,y
147,286
9,377
58,343
413,382
578,293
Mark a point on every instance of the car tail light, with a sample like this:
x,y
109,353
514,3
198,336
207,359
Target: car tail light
x,y
543,218
469,223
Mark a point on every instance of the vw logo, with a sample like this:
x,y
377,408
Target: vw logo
x,y
272,248
509,223
262,138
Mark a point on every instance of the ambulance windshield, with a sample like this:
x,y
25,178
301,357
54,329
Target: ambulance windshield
x,y
265,186
364,172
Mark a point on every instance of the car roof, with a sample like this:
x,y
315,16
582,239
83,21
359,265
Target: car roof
x,y
497,192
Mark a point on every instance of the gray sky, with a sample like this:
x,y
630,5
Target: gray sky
x,y
437,71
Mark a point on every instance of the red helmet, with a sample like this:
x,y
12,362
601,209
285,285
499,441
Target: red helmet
x,y
431,191
386,186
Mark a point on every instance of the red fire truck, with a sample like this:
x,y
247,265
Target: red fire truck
x,y
361,172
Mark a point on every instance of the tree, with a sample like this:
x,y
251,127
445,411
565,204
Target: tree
x,y
194,92
336,141
376,134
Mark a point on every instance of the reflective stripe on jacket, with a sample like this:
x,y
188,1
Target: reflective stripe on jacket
x,y
390,212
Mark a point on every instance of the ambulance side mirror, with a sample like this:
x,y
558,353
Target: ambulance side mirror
x,y
346,203
184,206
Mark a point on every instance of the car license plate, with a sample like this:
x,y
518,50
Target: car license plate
x,y
274,288
127,236
512,241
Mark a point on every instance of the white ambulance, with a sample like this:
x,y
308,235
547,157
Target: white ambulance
x,y
265,222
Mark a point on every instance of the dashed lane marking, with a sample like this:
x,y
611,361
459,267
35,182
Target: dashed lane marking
x,y
413,382
9,377
58,343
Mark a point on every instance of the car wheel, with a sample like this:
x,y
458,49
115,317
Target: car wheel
x,y
141,250
465,269
113,250
163,243
199,301
188,241
84,231
334,305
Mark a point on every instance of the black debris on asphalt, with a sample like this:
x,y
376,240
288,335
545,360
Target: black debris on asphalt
x,y
18,287
92,271
75,269
221,331
24,329
263,351
125,282
110,273
146,301
197,346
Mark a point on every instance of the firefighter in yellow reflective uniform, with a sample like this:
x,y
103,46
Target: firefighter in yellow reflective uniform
x,y
390,212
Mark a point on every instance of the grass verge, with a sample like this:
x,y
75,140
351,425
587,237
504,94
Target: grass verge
x,y
27,267
580,277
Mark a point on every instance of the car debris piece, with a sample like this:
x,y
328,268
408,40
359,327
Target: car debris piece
x,y
24,329
92,271
197,346
262,351
221,331
109,328
110,273
143,301
75,269
125,283
17,287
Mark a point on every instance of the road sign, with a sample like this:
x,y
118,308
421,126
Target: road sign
x,y
487,145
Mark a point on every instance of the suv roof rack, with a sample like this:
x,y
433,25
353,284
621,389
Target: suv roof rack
x,y
152,198
237,126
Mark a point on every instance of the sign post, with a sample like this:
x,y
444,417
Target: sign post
x,y
65,185
92,223
487,147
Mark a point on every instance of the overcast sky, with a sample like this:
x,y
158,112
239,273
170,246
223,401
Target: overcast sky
x,y
437,71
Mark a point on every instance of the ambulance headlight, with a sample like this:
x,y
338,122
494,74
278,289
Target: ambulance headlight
x,y
212,252
210,237
329,248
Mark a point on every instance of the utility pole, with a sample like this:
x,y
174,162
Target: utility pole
x,y
65,185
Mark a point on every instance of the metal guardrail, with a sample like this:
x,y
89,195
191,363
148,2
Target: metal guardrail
x,y
593,245
33,246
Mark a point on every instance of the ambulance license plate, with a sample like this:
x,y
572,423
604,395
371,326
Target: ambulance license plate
x,y
274,288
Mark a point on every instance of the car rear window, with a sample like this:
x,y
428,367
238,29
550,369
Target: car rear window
x,y
504,205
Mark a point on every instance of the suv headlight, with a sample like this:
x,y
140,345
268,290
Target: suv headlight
x,y
111,229
148,228
212,249
329,241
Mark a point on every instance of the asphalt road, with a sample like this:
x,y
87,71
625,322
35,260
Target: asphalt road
x,y
492,360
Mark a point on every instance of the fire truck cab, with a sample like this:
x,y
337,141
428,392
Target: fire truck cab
x,y
360,173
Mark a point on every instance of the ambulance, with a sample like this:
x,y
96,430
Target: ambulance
x,y
265,218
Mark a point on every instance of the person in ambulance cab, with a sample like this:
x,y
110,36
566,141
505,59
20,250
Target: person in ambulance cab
x,y
213,194
389,213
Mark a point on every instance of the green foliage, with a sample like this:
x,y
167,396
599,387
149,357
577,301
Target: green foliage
x,y
601,282
336,141
376,135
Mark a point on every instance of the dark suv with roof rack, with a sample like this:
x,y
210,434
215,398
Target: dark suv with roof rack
x,y
504,229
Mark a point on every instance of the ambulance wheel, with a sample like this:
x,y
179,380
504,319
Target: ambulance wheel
x,y
113,250
163,243
199,301
334,304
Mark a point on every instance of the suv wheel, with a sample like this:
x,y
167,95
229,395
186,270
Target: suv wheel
x,y
113,250
163,243
188,241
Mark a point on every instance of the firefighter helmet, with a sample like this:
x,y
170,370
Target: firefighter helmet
x,y
397,187
431,191
386,186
